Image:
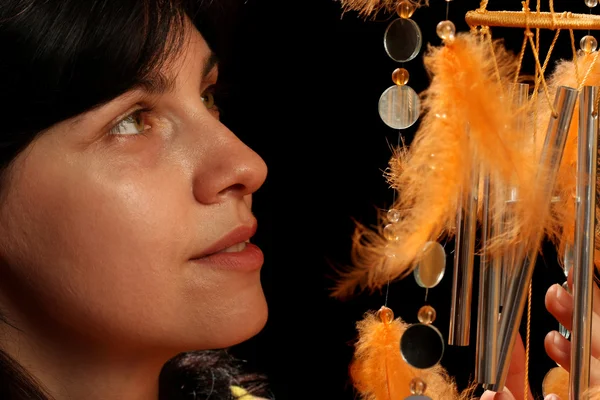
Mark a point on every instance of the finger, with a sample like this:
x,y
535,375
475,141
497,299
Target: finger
x,y
559,350
552,397
560,304
595,291
515,380
505,395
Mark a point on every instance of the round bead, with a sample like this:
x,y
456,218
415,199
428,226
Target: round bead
x,y
393,216
422,346
390,232
588,44
427,315
386,315
446,30
417,386
400,76
405,9
591,3
390,250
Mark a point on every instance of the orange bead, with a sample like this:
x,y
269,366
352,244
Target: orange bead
x,y
405,9
386,315
427,315
400,76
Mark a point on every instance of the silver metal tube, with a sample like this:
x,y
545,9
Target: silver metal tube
x,y
551,156
506,261
489,297
464,255
585,225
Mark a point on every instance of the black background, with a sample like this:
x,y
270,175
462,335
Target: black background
x,y
304,81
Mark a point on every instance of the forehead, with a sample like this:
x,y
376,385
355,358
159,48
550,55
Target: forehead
x,y
194,61
195,51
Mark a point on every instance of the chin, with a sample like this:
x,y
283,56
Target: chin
x,y
247,318
251,322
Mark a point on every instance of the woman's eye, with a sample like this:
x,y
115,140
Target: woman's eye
x,y
208,97
133,124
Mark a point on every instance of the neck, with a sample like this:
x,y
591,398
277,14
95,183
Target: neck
x,y
68,371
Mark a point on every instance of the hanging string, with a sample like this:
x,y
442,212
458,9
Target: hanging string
x,y
537,29
486,32
387,287
528,342
521,57
541,74
547,60
387,293
575,60
588,72
552,13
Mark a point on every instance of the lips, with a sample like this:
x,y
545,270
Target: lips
x,y
236,248
250,259
235,241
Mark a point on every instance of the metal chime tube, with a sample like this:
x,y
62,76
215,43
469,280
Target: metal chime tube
x,y
516,297
506,260
585,225
464,254
489,297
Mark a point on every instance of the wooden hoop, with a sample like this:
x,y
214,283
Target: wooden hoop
x,y
542,20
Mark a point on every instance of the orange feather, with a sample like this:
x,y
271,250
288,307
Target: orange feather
x,y
378,370
368,8
469,123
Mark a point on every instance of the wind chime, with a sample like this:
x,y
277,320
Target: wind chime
x,y
520,160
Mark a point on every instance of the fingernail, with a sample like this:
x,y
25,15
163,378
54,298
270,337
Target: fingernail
x,y
563,297
551,397
561,344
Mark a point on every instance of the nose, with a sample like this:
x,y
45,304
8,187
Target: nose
x,y
227,167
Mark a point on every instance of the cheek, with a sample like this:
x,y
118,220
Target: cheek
x,y
109,249
102,255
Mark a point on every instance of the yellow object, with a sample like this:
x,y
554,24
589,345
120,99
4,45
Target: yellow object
x,y
242,394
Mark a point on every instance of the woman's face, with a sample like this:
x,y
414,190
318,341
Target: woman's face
x,y
110,222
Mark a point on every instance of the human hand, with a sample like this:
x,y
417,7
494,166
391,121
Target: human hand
x,y
515,380
560,304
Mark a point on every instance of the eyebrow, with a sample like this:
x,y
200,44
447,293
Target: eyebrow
x,y
159,83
